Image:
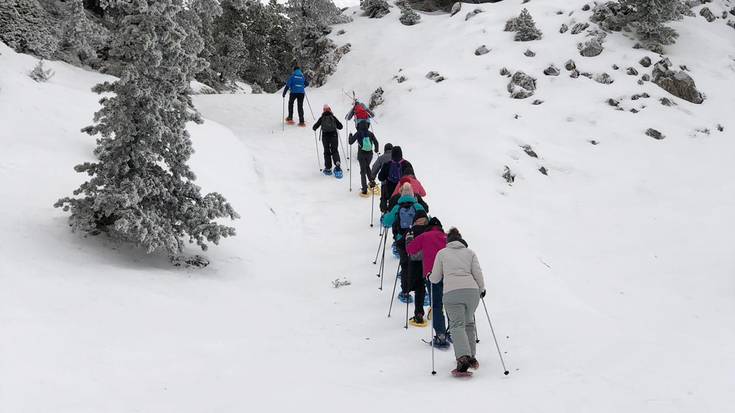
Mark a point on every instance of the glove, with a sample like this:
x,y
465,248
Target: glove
x,y
409,237
482,293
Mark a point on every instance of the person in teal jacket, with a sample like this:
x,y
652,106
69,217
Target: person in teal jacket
x,y
297,84
401,219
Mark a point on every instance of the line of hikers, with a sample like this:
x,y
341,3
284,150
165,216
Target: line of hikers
x,y
425,251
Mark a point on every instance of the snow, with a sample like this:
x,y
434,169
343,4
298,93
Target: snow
x,y
610,281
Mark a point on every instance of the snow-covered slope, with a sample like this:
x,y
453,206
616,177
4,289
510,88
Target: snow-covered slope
x,y
610,279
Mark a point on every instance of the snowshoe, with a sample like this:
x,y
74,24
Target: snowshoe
x,y
463,364
474,364
405,298
327,172
438,342
375,190
427,303
302,125
460,374
290,121
338,173
364,194
418,321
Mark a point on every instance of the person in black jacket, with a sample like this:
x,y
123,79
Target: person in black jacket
x,y
330,139
392,172
367,144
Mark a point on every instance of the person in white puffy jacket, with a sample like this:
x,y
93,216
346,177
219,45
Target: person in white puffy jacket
x,y
464,285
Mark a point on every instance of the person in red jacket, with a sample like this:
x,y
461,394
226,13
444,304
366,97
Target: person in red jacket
x,y
429,243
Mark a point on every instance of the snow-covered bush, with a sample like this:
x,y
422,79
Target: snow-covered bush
x,y
39,74
141,189
376,99
592,47
646,18
521,85
26,27
525,27
408,16
80,38
375,9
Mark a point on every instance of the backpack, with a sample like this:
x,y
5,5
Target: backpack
x,y
360,112
395,171
367,143
406,215
328,123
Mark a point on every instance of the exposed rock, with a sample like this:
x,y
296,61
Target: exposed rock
x,y
521,85
340,32
655,134
707,14
559,12
432,75
570,65
456,7
481,50
472,14
529,151
580,27
551,71
613,102
640,82
529,53
640,95
574,74
667,102
731,23
679,84
632,71
633,110
505,72
401,79
604,78
586,7
593,142
376,99
591,48
684,68
537,102
615,67
646,77
645,62
508,175
720,127
588,75
543,171
564,28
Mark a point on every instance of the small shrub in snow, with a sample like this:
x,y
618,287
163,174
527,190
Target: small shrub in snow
x,y
408,16
375,9
666,102
707,14
435,76
529,151
632,71
472,14
647,19
376,99
39,74
610,16
339,283
508,175
482,50
563,28
604,78
591,48
580,27
511,25
731,23
521,85
551,71
529,53
570,65
197,261
526,28
574,74
543,171
505,72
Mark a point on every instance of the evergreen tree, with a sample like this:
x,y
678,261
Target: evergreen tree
x,y
526,28
141,190
647,18
78,35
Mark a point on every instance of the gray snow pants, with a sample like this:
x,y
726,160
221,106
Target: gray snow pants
x,y
461,306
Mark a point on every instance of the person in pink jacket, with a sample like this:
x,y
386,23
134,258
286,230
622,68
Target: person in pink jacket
x,y
429,243
409,177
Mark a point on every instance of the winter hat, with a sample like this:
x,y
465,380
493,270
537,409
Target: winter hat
x,y
454,235
421,215
396,154
326,108
388,147
406,189
434,222
408,170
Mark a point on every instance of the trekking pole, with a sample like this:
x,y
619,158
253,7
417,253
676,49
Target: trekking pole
x,y
350,169
477,338
375,261
492,330
283,115
431,330
316,146
407,305
392,296
372,208
309,103
382,264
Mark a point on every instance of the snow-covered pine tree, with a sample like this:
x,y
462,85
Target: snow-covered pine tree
x,y
313,51
141,190
27,28
526,28
647,18
40,74
375,9
78,35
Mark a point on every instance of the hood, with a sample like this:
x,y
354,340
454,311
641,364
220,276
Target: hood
x,y
456,245
406,199
396,154
298,72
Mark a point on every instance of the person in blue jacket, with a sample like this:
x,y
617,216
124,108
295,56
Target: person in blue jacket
x,y
296,84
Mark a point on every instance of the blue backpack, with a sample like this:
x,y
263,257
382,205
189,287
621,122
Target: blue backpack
x,y
406,215
394,173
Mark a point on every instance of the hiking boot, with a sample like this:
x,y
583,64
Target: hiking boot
x,y
440,341
327,171
474,364
418,319
371,184
463,364
337,168
302,124
405,297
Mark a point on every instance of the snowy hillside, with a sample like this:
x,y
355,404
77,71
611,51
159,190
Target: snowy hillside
x,y
610,280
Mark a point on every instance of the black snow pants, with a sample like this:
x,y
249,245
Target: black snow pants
x,y
365,157
330,140
300,98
